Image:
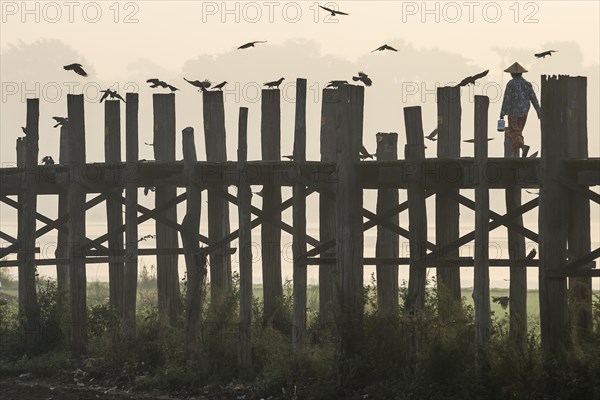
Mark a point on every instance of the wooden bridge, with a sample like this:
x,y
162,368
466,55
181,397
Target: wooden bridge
x,y
564,173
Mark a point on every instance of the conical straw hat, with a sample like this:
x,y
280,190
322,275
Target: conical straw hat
x,y
516,68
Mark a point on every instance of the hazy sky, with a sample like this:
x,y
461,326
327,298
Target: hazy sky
x,y
121,44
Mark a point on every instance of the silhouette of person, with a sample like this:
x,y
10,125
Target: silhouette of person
x,y
518,96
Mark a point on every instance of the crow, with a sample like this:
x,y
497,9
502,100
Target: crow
x,y
364,78
470,80
334,12
156,83
534,155
336,84
77,68
503,301
172,88
432,135
250,44
473,140
364,153
545,53
48,160
531,254
60,121
274,83
148,189
220,85
383,48
200,85
110,94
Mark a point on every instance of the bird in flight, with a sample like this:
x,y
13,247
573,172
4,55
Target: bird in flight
x,y
470,80
364,154
60,121
336,84
432,135
503,301
274,84
112,94
364,78
250,44
220,85
545,53
154,83
77,68
334,12
473,140
383,48
201,85
48,160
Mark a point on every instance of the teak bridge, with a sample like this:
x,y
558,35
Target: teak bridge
x,y
564,174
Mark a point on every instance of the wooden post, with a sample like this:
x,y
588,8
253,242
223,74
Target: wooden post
x,y
388,243
166,237
28,305
417,211
270,232
76,201
195,260
349,233
446,208
552,221
218,208
579,240
245,245
114,210
62,269
328,274
299,219
20,164
481,290
131,198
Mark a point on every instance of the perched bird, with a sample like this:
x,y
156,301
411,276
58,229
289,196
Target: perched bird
x,y
110,94
534,155
48,160
148,189
172,88
364,153
503,301
383,48
473,140
336,84
432,135
291,158
60,121
531,254
274,83
545,53
201,85
77,68
220,85
334,12
364,78
470,80
250,44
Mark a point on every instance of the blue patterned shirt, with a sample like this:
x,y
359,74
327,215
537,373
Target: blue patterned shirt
x,y
517,96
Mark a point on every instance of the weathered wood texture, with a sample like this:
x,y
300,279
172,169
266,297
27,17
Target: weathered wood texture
x,y
328,274
299,220
28,304
62,237
552,217
271,198
481,290
131,199
446,208
166,237
218,207
114,209
388,242
76,201
245,245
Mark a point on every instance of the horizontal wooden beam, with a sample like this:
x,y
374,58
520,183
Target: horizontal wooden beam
x,y
461,262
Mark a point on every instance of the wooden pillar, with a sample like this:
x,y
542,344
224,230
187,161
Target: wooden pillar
x,y
417,211
270,232
195,260
552,221
446,208
166,237
28,305
131,198
245,245
388,243
299,219
114,209
218,207
20,164
481,290
328,273
349,233
62,269
579,240
76,202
